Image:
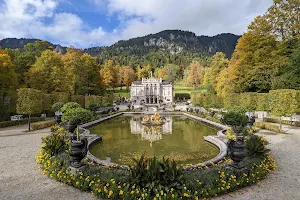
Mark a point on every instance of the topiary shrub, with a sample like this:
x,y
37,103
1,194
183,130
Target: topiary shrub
x,y
237,120
70,105
77,116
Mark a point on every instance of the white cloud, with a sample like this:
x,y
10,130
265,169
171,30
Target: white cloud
x,y
40,19
204,17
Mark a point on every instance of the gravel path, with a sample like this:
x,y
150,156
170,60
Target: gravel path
x,y
19,178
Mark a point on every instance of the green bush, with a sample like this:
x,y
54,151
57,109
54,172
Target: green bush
x,y
41,125
93,100
57,106
69,105
236,120
152,173
59,97
255,146
19,122
77,116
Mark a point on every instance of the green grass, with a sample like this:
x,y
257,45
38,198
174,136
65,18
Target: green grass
x,y
178,88
189,90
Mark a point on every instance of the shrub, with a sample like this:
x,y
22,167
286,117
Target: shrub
x,y
69,105
255,146
41,125
153,173
57,106
55,142
18,122
93,100
77,116
60,97
236,120
271,127
182,96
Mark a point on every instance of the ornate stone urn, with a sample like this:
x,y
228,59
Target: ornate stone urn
x,y
70,127
78,151
236,151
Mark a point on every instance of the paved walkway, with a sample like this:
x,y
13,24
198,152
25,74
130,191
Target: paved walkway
x,y
19,178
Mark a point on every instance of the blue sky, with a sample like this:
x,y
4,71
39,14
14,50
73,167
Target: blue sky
x,y
87,23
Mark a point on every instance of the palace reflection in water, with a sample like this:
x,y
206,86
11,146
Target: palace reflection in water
x,y
150,133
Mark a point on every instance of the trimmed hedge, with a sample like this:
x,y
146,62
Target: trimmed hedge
x,y
41,125
18,122
271,127
287,122
182,96
79,99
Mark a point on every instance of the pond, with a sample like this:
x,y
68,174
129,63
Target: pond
x,y
179,138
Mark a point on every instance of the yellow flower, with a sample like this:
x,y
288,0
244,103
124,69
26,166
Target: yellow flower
x,y
110,192
121,192
173,196
186,195
77,183
132,192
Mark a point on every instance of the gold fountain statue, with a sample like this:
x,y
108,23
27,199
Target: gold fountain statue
x,y
153,120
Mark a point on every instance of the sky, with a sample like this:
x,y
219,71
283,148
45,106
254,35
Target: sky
x,y
88,23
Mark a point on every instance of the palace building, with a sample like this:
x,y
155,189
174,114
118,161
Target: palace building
x,y
151,91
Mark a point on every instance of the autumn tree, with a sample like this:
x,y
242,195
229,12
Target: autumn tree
x,y
8,83
171,72
195,74
127,76
49,74
218,63
110,74
85,71
144,72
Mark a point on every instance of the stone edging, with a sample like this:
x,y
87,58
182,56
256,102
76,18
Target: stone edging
x,y
215,140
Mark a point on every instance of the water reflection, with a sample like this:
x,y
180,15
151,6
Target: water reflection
x,y
150,133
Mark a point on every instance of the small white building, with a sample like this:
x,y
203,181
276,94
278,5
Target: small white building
x,y
151,91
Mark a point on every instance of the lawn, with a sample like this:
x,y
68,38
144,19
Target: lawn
x,y
178,88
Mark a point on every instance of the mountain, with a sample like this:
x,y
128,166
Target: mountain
x,y
14,43
174,42
169,46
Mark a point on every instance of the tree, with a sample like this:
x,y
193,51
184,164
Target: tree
x,y
195,74
110,74
144,72
29,102
49,74
8,83
127,76
218,63
85,71
223,83
171,72
284,18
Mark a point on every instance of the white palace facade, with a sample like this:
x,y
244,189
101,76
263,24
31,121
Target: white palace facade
x,y
151,91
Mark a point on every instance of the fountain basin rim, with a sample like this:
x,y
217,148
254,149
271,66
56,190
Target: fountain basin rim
x,y
218,140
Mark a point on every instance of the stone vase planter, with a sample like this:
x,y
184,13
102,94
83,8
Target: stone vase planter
x,y
70,127
237,151
78,151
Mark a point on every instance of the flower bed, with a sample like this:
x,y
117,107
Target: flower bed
x,y
116,183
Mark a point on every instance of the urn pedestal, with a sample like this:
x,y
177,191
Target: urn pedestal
x,y
78,151
237,152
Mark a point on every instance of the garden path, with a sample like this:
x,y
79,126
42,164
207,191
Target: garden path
x,y
284,183
20,179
